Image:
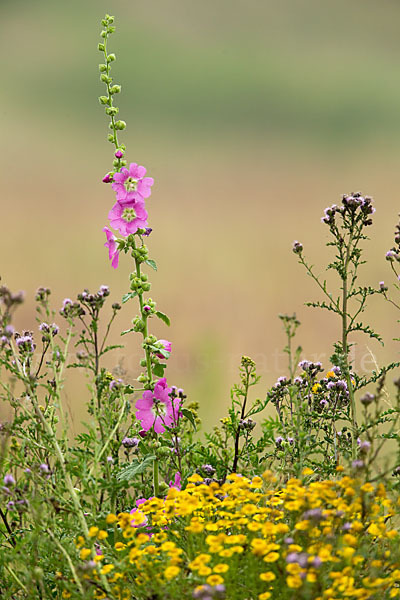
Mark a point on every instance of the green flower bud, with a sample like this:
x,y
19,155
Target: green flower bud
x,y
144,277
115,162
112,110
138,324
146,287
110,19
38,573
101,47
115,89
123,163
105,78
111,57
103,100
142,378
104,22
143,363
120,125
163,488
102,68
110,29
110,138
103,34
163,452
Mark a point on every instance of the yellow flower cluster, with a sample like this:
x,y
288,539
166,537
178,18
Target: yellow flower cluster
x,y
315,539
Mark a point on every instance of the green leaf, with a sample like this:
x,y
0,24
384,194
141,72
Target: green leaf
x,y
152,263
109,348
158,370
135,468
163,317
128,296
127,331
189,415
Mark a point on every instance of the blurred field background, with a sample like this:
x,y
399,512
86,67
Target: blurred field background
x,y
252,116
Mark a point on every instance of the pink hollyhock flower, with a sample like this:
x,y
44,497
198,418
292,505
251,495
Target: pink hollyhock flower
x,y
131,184
155,409
111,244
139,518
166,346
176,483
128,218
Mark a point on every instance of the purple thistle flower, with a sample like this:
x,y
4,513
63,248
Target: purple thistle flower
x,y
130,442
116,384
9,479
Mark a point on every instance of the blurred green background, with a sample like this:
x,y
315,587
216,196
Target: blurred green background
x,y
252,116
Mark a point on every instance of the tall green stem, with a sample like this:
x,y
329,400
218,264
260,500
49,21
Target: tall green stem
x,y
346,352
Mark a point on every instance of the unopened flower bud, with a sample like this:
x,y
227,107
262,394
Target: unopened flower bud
x,y
297,247
120,125
367,399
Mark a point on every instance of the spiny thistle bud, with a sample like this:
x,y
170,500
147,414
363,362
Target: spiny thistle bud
x,y
297,247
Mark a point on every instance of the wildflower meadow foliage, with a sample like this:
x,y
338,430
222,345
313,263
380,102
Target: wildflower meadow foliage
x,y
294,495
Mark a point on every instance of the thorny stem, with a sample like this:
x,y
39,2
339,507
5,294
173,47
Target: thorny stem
x,y
346,352
110,437
242,416
17,579
60,456
9,530
69,561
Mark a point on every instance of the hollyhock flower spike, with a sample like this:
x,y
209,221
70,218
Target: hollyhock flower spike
x,y
128,218
154,409
111,244
131,184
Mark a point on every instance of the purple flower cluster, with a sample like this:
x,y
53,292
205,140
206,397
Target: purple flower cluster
x,y
350,205
310,368
25,343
